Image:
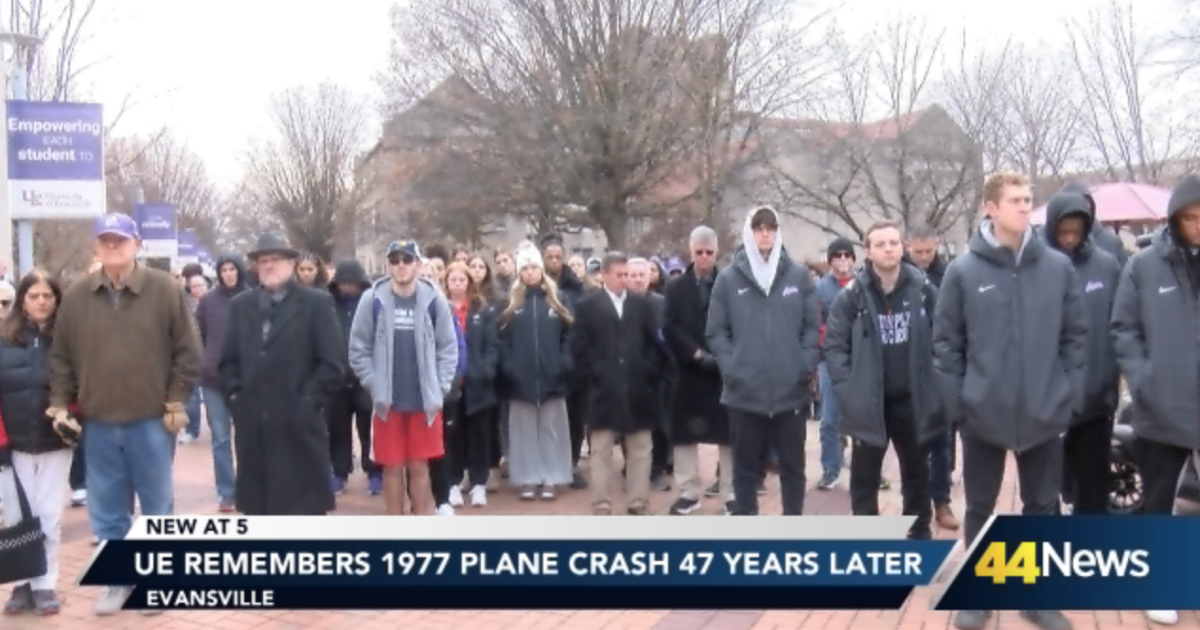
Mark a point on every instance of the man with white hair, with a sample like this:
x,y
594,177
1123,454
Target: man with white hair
x,y
638,283
697,415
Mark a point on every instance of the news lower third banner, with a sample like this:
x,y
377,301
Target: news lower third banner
x,y
518,562
1078,563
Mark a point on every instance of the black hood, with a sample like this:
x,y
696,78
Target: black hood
x,y
237,263
1079,188
349,272
1186,193
1061,206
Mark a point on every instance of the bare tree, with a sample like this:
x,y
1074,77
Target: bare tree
x,y
166,170
305,176
1129,136
881,149
588,102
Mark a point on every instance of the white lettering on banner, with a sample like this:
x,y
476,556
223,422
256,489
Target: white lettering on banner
x,y
54,126
893,328
157,224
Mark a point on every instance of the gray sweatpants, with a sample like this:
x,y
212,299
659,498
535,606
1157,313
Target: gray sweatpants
x,y
539,443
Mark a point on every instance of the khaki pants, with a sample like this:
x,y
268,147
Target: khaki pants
x,y
687,472
638,448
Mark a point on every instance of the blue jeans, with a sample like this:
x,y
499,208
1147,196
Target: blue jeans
x,y
939,468
831,437
222,447
124,460
193,413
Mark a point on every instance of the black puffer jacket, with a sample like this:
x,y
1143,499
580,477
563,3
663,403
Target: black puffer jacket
x,y
535,358
25,395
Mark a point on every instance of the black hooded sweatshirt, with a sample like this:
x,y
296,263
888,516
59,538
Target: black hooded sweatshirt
x,y
212,312
1096,275
348,272
1103,236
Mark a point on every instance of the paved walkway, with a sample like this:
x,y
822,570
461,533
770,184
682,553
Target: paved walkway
x,y
195,495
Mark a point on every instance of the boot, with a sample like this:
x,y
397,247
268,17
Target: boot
x,y
944,514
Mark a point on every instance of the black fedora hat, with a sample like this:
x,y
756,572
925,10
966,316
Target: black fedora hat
x,y
272,243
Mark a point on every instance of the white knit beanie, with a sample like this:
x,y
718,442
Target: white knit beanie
x,y
529,256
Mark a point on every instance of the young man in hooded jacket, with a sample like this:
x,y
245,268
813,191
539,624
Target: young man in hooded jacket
x,y
1010,349
879,351
350,407
1088,442
1157,307
763,328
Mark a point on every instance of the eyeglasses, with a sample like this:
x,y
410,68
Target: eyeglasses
x,y
401,259
843,255
704,252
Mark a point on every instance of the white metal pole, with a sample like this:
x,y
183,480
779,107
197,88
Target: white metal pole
x,y
6,224
25,226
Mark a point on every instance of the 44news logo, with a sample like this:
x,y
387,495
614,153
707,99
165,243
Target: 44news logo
x,y
1030,561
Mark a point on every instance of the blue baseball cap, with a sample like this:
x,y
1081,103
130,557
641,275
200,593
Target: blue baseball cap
x,y
404,247
116,224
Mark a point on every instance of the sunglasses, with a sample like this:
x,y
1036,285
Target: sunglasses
x,y
703,252
400,259
843,255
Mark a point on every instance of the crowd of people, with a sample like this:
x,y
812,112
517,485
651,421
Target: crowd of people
x,y
459,369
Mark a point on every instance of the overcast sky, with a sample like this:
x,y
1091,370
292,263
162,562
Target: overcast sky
x,y
207,68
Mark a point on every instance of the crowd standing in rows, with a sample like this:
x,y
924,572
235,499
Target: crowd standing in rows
x,y
457,369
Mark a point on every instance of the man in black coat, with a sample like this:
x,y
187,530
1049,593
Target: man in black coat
x,y
697,415
615,341
350,406
282,360
660,460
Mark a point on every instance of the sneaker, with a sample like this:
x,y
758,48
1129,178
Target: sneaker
x,y
713,490
445,510
730,507
227,507
762,489
79,497
46,603
338,484
827,482
187,438
111,600
1047,619
972,619
20,602
660,482
528,494
456,499
479,496
548,493
638,509
684,506
603,509
944,515
375,485
493,482
1163,617
95,541
884,484
1066,508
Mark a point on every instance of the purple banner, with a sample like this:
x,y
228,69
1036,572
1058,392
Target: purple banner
x,y
156,223
55,141
189,245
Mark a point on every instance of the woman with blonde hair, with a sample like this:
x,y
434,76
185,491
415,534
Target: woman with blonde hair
x,y
535,361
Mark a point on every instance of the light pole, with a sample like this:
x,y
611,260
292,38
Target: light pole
x,y
18,41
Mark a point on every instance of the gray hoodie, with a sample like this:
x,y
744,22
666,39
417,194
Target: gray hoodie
x,y
371,345
1155,322
1010,342
1097,273
764,339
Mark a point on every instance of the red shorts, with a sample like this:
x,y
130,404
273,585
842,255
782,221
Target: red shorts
x,y
405,438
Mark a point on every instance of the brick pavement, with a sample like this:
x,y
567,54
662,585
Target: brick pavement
x,y
195,495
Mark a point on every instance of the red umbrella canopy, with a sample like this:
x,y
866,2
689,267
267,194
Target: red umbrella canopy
x,y
1123,202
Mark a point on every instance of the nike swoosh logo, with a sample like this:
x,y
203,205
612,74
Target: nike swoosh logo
x,y
741,291
987,288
